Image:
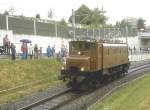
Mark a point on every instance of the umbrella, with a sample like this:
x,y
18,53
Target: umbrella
x,y
25,40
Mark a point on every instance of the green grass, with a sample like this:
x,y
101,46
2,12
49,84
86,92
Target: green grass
x,y
135,96
20,72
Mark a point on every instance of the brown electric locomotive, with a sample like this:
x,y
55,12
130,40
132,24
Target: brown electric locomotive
x,y
93,62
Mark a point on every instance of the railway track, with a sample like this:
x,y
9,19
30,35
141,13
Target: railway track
x,y
58,102
40,104
55,102
85,102
65,99
139,63
35,99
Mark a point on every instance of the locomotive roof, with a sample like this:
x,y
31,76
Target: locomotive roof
x,y
103,42
114,44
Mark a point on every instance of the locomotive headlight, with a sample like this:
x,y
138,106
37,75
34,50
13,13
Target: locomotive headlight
x,y
62,68
79,53
82,69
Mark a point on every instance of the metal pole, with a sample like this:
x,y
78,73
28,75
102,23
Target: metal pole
x,y
118,33
126,29
7,28
104,32
99,33
87,32
115,35
127,34
93,32
55,29
34,27
73,23
109,34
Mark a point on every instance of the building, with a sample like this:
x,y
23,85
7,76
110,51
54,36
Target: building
x,y
132,21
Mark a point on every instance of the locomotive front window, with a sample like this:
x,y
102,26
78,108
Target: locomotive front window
x,y
92,47
80,46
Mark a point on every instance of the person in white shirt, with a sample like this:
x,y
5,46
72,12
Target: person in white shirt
x,y
6,44
30,51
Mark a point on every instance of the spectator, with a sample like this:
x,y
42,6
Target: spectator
x,y
58,56
40,52
62,53
13,51
30,51
53,51
49,51
66,51
6,44
26,57
134,49
36,51
24,50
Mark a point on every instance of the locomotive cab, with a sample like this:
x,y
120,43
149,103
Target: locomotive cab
x,y
80,53
81,59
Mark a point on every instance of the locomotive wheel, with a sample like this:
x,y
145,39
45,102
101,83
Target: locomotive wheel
x,y
123,74
92,84
118,75
105,79
69,84
72,83
87,85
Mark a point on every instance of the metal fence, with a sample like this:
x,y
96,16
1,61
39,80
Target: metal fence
x,y
32,26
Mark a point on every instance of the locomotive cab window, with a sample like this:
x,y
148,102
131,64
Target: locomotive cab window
x,y
92,47
82,47
79,46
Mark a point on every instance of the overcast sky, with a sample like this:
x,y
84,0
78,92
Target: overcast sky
x,y
116,9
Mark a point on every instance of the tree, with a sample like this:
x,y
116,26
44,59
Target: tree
x,y
81,13
98,17
126,24
140,24
12,10
38,16
6,12
63,22
84,15
122,24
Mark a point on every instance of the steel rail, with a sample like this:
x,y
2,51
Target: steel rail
x,y
44,100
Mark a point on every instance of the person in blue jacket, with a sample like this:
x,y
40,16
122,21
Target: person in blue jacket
x,y
49,51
